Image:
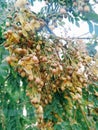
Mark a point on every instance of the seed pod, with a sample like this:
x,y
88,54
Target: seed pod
x,y
60,67
49,49
20,51
53,86
7,24
39,89
69,68
35,100
20,32
9,17
23,74
75,4
5,34
30,85
68,77
38,80
19,70
80,9
86,8
35,59
62,11
40,42
55,71
39,109
50,97
30,78
81,79
62,87
9,59
42,83
27,94
44,59
46,102
9,32
38,47
77,97
52,27
79,89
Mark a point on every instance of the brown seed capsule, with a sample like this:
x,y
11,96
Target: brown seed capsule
x,y
38,47
42,83
75,4
49,49
15,26
5,34
44,59
39,89
80,9
30,78
23,51
81,79
30,85
7,24
62,11
55,71
18,50
86,8
35,59
19,70
39,109
60,67
26,58
10,17
53,86
9,31
62,87
79,90
69,68
23,74
54,64
20,32
9,59
48,78
50,97
38,80
51,27
85,85
34,100
40,42
27,94
68,78
46,102
77,97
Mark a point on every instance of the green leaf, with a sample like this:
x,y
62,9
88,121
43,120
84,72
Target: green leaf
x,y
4,66
76,127
96,125
1,79
77,23
96,29
58,127
91,16
90,26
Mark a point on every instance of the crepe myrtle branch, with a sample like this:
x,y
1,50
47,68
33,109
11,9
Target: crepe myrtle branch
x,y
70,38
52,34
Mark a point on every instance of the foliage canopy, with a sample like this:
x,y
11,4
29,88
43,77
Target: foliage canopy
x,y
55,83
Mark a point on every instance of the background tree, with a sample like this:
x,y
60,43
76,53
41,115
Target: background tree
x,y
61,95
